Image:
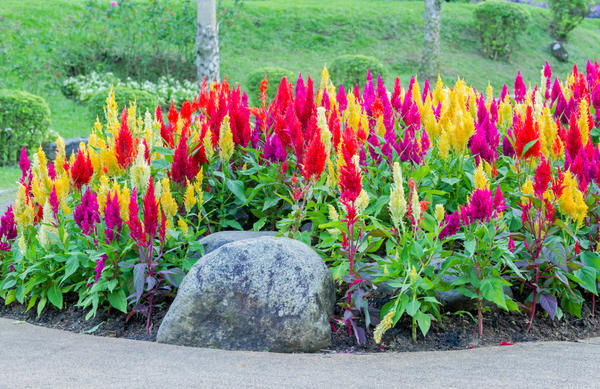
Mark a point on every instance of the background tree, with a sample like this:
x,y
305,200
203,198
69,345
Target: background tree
x,y
431,44
566,15
207,41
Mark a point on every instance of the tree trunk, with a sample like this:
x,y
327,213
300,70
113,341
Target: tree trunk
x,y
431,45
207,41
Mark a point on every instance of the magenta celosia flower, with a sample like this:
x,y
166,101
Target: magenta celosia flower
x,y
99,267
24,163
274,151
481,206
511,244
135,226
51,171
520,88
86,214
112,216
8,227
53,200
452,225
342,99
114,4
499,202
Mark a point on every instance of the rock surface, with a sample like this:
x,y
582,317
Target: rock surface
x,y
71,146
218,239
258,294
559,51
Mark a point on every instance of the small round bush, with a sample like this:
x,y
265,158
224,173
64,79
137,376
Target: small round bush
x,y
24,121
145,101
566,15
499,24
350,70
274,76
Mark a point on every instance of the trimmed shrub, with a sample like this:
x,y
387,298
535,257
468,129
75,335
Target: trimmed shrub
x,y
499,24
24,121
566,15
350,70
274,76
144,101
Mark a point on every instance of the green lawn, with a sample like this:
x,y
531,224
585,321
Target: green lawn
x,y
301,35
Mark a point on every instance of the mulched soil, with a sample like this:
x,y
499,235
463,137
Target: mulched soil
x,y
454,332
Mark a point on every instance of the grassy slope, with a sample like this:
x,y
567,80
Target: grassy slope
x,y
301,35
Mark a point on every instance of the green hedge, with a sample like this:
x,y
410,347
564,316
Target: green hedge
x,y
24,121
350,70
499,24
566,15
274,76
145,101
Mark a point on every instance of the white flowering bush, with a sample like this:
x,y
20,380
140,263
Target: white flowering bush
x,y
166,88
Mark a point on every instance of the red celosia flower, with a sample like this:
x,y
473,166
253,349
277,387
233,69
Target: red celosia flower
x,y
186,112
550,211
526,133
82,170
349,144
162,230
573,143
173,115
135,226
543,175
124,143
180,161
150,210
315,158
350,182
557,184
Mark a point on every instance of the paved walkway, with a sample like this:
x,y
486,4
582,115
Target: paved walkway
x,y
38,357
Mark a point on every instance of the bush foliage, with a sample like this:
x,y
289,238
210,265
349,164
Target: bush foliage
x,y
566,15
274,75
144,101
24,121
499,24
349,70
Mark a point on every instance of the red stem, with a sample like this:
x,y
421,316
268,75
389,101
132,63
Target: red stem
x,y
534,300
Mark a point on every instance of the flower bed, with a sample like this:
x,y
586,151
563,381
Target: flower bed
x,y
412,191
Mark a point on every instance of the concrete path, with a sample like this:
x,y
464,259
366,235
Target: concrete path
x,y
38,357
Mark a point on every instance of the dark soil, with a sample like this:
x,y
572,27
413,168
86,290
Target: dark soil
x,y
455,331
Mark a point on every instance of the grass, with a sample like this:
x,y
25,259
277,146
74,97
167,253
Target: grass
x,y
300,35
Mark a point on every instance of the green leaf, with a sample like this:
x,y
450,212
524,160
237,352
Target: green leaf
x,y
528,146
55,296
470,246
272,202
424,322
587,276
160,164
71,267
492,291
41,305
118,300
10,297
163,150
237,188
412,307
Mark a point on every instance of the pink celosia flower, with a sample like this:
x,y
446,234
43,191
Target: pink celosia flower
x,y
135,226
53,200
114,4
112,215
86,214
24,163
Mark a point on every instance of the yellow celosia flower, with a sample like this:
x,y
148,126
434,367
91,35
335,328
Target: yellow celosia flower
x,y
23,211
479,178
124,197
167,201
584,126
225,141
102,192
362,201
333,214
198,180
324,78
332,177
183,226
527,189
416,206
383,326
397,200
110,163
22,244
505,113
571,201
444,145
440,213
47,226
140,171
189,197
325,133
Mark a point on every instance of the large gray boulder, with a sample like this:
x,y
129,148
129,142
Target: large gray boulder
x,y
218,239
71,146
259,294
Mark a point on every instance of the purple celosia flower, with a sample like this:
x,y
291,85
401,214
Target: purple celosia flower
x,y
274,151
342,99
99,267
8,227
452,225
86,214
112,215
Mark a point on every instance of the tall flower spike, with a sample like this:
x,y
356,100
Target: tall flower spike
x,y
316,157
81,170
135,226
150,210
112,216
397,200
543,176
